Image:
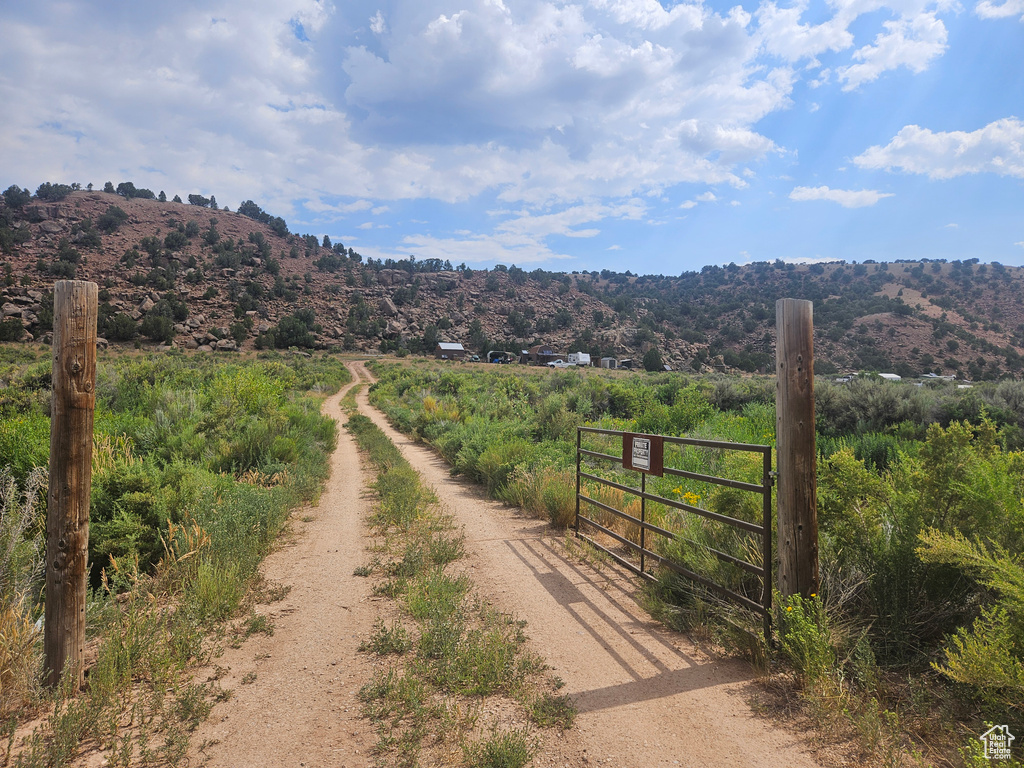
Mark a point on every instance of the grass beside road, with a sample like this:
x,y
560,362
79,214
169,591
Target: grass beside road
x,y
448,650
199,462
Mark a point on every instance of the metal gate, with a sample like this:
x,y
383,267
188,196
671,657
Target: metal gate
x,y
643,454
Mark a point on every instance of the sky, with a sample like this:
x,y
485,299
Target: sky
x,y
655,137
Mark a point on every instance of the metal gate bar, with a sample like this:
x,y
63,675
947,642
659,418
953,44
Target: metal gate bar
x,y
764,489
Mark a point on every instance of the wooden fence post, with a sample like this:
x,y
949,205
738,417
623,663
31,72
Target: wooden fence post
x,y
795,444
75,309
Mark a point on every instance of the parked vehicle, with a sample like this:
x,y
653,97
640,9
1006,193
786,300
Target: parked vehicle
x,y
559,364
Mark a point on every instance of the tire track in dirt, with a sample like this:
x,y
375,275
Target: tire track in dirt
x,y
301,708
646,696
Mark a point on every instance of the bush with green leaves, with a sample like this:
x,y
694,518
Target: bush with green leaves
x,y
52,192
11,329
883,484
296,330
111,219
170,520
15,197
988,656
118,327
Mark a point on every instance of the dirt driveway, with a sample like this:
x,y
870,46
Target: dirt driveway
x,y
646,696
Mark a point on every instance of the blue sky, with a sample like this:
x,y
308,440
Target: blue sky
x,y
564,134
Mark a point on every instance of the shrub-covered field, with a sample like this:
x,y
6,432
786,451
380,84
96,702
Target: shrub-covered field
x,y
921,515
197,462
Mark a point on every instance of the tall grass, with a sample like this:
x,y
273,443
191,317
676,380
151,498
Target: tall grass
x,y
197,465
21,569
899,468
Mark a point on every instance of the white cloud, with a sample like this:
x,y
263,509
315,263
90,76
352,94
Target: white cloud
x,y
478,249
614,248
1020,243
565,222
816,259
848,198
703,197
989,10
319,206
782,33
997,148
313,108
952,225
377,24
911,43
366,225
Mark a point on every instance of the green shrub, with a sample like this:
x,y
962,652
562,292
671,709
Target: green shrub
x,y
126,514
24,443
502,749
497,462
805,638
990,655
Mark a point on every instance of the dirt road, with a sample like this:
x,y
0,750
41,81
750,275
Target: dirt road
x,y
646,696
293,697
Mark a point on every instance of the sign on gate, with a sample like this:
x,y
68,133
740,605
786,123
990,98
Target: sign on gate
x,y
643,453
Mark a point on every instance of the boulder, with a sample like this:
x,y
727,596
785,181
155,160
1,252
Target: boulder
x,y
388,308
226,345
51,227
146,304
11,310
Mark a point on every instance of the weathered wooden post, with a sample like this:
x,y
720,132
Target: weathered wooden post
x,y
797,493
75,310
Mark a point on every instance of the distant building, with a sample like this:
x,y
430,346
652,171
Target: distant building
x,y
542,354
890,376
579,358
609,362
448,351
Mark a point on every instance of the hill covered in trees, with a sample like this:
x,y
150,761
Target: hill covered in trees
x,y
194,275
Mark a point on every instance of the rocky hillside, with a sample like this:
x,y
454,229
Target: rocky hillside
x,y
199,278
